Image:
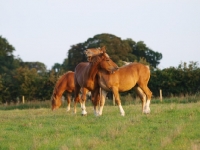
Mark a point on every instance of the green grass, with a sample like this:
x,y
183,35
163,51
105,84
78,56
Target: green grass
x,y
170,126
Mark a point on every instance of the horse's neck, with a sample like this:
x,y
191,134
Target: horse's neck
x,y
104,75
92,71
59,91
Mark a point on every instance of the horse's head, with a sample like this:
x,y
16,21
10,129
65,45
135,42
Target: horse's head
x,y
55,102
94,52
104,62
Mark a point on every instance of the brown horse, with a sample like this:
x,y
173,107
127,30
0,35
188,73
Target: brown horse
x,y
64,83
133,75
86,77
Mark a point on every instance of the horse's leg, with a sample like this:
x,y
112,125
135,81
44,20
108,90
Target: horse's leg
x,y
83,99
76,95
148,94
95,96
117,100
68,101
76,100
142,96
103,94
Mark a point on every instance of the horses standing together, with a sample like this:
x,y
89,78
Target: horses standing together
x,y
100,72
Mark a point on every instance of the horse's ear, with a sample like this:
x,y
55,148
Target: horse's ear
x,y
103,49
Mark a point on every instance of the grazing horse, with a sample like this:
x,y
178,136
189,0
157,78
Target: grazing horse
x,y
86,77
126,77
64,83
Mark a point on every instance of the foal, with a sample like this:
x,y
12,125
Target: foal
x,y
133,75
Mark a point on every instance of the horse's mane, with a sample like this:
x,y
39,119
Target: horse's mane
x,y
60,80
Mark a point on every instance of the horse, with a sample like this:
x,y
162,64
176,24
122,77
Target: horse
x,y
64,83
126,77
86,78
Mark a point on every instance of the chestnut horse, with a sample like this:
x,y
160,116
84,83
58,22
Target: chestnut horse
x,y
64,83
86,77
126,77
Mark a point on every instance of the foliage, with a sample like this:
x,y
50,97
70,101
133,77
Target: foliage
x,y
18,78
119,50
181,81
142,51
34,81
6,57
76,55
40,67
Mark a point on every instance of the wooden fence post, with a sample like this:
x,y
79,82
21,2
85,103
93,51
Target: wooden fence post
x,y
23,100
160,95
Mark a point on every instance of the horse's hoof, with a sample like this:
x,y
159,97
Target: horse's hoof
x,y
123,114
146,111
83,114
98,115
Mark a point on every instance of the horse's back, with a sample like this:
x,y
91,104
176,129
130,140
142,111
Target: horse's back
x,y
138,68
69,79
70,75
80,70
131,74
140,71
143,70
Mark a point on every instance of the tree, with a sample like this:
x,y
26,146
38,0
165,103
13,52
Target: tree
x,y
76,55
7,60
65,65
181,81
57,67
119,50
40,67
8,63
115,46
47,85
142,51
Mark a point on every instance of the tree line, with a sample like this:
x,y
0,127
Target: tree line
x,y
35,82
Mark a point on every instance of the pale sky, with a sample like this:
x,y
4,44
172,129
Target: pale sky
x,y
44,30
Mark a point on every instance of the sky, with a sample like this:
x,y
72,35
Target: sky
x,y
44,30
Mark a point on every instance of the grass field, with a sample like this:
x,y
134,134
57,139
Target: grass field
x,y
170,126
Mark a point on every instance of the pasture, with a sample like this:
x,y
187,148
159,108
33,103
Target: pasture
x,y
170,126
